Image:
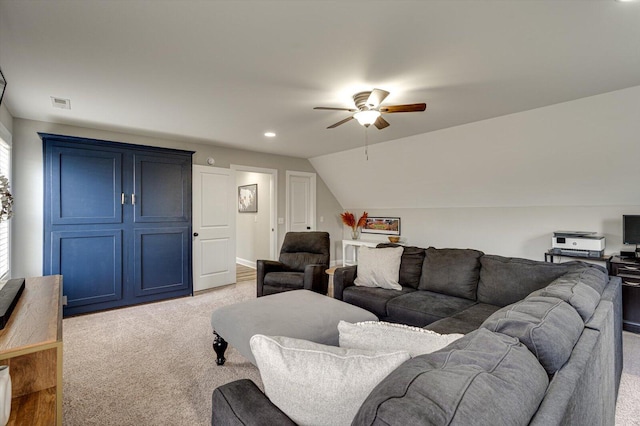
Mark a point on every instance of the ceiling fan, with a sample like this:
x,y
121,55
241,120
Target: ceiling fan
x,y
368,110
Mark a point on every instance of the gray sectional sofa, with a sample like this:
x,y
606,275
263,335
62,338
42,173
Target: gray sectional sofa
x,y
542,344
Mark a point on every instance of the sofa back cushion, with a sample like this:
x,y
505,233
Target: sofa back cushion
x,y
506,280
578,289
455,385
454,272
410,265
548,326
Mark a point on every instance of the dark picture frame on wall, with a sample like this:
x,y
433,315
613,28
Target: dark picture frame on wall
x,y
248,198
382,225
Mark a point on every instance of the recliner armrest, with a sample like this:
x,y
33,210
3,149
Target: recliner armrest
x,y
315,279
242,403
263,267
343,278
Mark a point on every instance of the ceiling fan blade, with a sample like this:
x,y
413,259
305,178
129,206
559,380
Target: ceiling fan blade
x,y
337,109
403,108
381,123
376,97
340,122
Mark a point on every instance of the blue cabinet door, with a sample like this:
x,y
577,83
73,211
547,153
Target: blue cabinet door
x,y
86,186
117,222
91,263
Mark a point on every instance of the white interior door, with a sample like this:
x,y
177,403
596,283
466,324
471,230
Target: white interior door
x,y
301,201
214,227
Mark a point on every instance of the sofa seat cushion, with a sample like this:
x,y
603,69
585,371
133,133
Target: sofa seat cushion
x,y
373,299
464,321
286,280
573,289
424,307
451,271
506,280
454,385
548,326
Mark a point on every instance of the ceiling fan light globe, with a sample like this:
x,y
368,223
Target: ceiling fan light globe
x,y
366,118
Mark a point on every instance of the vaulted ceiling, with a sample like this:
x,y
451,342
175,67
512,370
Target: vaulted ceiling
x,y
225,72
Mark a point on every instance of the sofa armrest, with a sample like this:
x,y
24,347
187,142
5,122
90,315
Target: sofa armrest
x,y
242,403
343,278
315,279
263,267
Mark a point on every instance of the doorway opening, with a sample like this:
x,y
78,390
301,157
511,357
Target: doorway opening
x,y
256,230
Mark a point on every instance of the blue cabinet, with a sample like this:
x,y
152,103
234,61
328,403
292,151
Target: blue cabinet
x,y
117,222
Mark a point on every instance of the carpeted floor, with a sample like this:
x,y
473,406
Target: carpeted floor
x,y
154,365
628,407
149,365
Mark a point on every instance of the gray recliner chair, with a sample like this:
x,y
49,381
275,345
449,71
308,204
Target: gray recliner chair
x,y
304,257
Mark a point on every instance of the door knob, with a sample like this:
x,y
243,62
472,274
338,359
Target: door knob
x,y
195,234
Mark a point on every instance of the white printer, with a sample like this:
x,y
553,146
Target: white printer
x,y
577,243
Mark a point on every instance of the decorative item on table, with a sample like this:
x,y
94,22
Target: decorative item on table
x,y
382,225
350,220
394,239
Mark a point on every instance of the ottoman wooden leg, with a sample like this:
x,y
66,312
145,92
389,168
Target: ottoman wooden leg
x,y
219,345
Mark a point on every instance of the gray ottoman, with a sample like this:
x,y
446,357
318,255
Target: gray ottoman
x,y
301,314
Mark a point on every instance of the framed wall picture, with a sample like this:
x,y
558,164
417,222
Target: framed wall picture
x,y
382,225
248,198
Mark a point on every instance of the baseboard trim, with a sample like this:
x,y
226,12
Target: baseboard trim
x,y
245,262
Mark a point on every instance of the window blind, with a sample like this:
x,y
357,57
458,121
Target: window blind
x,y
5,169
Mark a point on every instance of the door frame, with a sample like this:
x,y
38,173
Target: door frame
x,y
273,212
312,195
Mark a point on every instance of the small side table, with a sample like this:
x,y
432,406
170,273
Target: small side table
x,y
330,272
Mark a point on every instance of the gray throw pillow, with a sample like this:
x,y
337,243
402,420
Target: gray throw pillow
x,y
317,384
484,378
386,336
548,326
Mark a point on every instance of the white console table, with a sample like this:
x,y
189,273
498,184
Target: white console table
x,y
355,244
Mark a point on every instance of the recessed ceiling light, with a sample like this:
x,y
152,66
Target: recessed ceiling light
x,y
626,1
270,134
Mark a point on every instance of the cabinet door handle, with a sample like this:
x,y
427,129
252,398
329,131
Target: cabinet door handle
x,y
133,199
122,198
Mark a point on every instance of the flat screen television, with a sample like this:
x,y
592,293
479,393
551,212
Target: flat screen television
x,y
631,229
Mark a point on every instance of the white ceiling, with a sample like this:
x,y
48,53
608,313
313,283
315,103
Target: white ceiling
x,y
224,72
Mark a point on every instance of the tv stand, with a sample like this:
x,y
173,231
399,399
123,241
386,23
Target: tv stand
x,y
629,270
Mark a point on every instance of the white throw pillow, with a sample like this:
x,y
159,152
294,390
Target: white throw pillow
x,y
382,336
317,384
379,267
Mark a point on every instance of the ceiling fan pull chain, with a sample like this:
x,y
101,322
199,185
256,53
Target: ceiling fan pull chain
x,y
366,143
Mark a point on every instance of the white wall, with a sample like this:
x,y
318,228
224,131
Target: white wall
x,y
503,185
253,229
5,118
28,183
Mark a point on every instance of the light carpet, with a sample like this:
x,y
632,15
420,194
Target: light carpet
x,y
151,364
154,365
628,406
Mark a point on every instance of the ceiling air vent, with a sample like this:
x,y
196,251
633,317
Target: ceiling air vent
x,y
60,103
